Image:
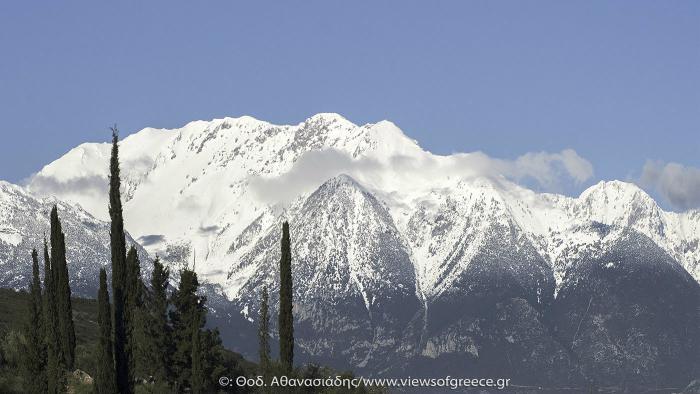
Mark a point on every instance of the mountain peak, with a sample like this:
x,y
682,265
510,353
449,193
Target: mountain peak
x,y
611,191
344,179
341,183
329,118
623,204
615,185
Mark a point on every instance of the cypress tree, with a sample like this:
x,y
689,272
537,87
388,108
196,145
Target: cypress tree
x,y
197,380
158,347
134,284
35,291
187,315
59,269
35,352
119,272
264,332
105,380
55,377
133,319
212,356
55,286
286,319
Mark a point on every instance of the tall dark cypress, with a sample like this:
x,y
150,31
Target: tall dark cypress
x,y
133,319
35,289
212,356
55,377
286,319
197,379
134,284
119,272
187,315
59,270
158,347
50,320
264,332
35,354
105,380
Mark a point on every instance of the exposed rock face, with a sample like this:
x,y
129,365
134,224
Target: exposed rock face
x,y
631,314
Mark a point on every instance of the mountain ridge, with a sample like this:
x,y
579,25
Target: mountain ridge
x,y
402,258
223,172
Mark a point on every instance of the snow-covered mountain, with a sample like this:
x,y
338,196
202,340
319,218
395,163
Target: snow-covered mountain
x,y
24,222
399,255
225,175
355,287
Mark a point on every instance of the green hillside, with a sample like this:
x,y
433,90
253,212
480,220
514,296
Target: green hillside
x,y
13,309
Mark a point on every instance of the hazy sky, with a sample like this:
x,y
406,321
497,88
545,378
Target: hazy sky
x,y
618,82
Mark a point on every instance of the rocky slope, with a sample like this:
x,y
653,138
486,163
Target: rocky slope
x,y
630,313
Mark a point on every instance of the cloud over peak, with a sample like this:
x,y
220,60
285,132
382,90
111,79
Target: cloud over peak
x,y
678,184
547,170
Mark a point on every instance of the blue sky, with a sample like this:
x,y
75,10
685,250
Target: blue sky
x,y
618,82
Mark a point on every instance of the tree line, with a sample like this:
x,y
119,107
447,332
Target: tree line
x,y
147,334
50,349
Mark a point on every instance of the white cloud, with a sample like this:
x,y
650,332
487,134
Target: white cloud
x,y
678,184
43,185
309,171
548,170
